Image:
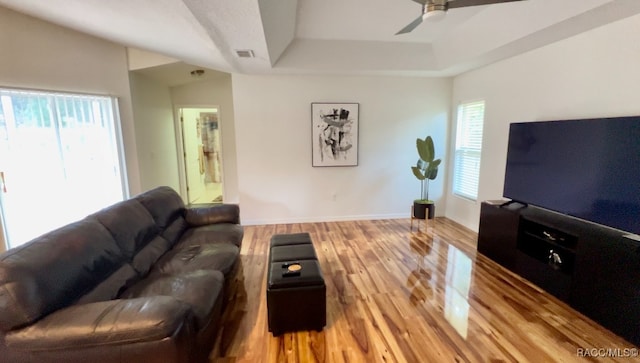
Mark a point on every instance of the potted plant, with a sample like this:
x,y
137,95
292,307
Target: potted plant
x,y
426,169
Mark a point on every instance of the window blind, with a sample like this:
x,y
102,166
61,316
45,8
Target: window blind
x,y
61,151
466,171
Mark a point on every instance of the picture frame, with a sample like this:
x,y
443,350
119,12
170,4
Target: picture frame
x,y
334,134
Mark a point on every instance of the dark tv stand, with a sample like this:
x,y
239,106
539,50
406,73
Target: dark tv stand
x,y
594,269
513,202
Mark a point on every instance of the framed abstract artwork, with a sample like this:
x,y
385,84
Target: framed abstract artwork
x,y
334,134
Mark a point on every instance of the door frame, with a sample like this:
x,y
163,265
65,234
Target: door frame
x,y
182,170
3,240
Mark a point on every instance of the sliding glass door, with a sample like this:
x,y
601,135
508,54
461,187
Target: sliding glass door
x,y
59,160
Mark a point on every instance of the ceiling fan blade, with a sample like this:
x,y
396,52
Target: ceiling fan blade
x,y
451,4
421,2
414,24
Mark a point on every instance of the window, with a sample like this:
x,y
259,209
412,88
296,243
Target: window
x,y
60,152
466,172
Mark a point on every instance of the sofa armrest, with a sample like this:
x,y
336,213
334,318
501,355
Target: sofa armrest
x,y
219,213
103,323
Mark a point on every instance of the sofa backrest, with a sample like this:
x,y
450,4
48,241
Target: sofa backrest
x,y
136,233
130,224
89,260
167,208
55,270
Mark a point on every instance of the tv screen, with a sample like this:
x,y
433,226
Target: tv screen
x,y
589,169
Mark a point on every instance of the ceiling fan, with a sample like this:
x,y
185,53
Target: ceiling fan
x,y
436,9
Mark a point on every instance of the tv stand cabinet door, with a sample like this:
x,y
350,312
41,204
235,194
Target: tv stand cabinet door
x,y
498,234
606,281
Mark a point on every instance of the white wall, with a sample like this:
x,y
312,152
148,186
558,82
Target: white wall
x,y
216,92
277,183
140,59
593,74
155,133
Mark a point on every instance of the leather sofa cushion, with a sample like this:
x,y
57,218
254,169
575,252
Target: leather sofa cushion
x,y
219,213
167,208
177,348
174,231
164,204
104,323
146,258
112,286
214,233
185,258
130,224
201,289
54,270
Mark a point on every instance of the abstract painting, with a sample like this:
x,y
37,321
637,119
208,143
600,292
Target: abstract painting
x,y
334,134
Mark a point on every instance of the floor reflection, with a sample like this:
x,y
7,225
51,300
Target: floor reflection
x,y
419,279
456,298
433,262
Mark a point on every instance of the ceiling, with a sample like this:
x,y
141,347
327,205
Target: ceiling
x,y
328,36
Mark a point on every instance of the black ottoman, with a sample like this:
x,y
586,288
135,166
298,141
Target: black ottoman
x,y
290,239
296,303
296,297
293,253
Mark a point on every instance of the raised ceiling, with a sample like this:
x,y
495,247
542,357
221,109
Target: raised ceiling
x,y
328,36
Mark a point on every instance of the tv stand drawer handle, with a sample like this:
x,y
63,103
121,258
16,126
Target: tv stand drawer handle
x,y
554,259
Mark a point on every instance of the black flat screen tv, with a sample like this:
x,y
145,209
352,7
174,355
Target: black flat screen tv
x,y
589,169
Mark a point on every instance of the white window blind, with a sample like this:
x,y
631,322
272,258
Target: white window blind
x,y
468,149
60,152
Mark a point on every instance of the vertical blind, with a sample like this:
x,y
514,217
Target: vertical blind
x,y
468,149
58,151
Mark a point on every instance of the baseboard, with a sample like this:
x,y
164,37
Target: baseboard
x,y
252,222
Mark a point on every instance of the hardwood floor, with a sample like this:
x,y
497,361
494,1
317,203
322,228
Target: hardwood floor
x,y
399,296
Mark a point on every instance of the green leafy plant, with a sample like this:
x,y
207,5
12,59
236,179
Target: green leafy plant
x,y
426,168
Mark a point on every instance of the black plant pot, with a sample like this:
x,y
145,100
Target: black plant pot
x,y
424,210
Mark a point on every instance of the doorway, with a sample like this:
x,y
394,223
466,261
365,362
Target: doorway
x,y
202,154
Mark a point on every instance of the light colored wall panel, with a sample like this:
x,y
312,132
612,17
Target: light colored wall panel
x,y
273,129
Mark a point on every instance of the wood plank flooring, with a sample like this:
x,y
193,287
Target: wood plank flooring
x,y
394,295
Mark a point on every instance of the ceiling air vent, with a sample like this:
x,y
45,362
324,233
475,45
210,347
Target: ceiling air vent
x,y
245,53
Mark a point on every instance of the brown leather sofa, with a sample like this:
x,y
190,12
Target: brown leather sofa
x,y
143,280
